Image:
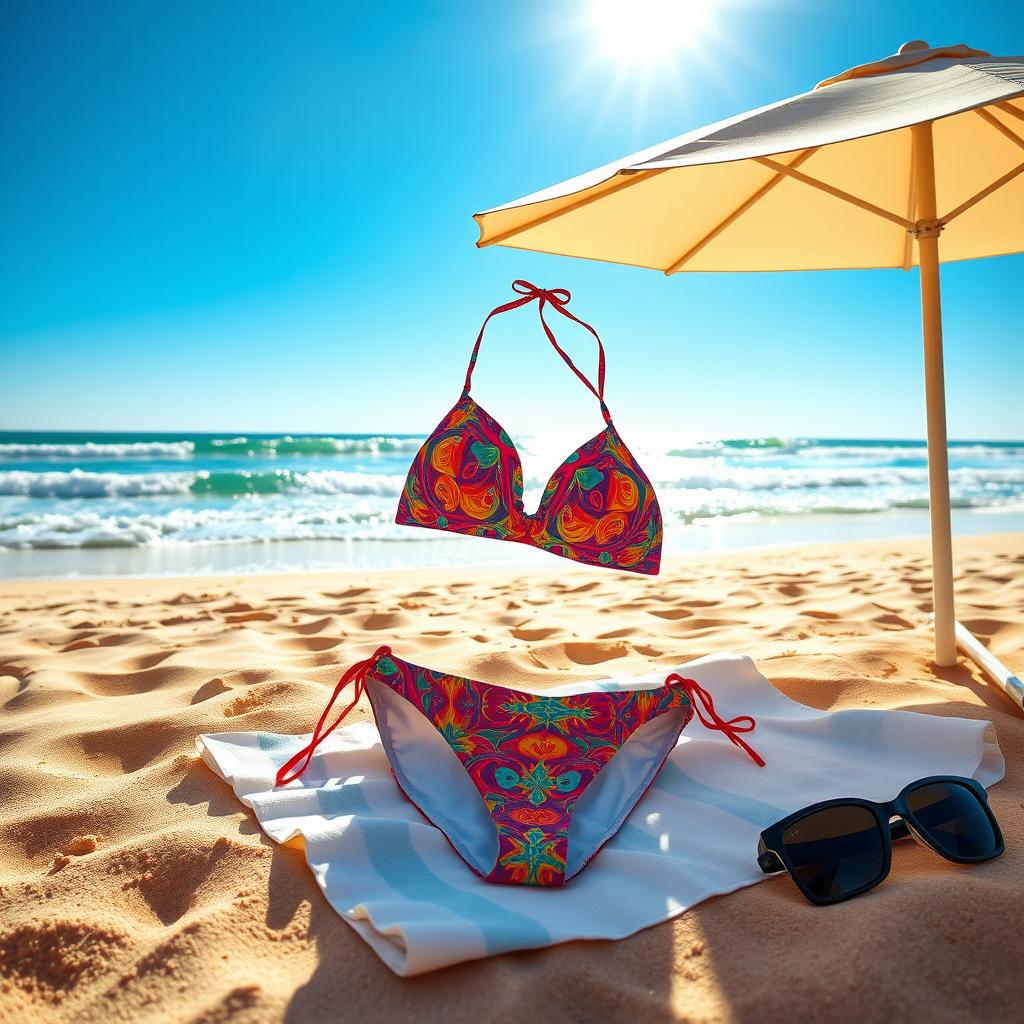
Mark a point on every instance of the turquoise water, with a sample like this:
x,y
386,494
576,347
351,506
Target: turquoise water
x,y
78,502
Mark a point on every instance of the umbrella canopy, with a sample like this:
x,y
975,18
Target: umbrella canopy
x,y
868,169
737,197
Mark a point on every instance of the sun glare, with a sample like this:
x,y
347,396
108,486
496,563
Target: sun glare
x,y
646,32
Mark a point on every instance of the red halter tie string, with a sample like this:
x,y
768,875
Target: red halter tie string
x,y
356,672
731,728
557,298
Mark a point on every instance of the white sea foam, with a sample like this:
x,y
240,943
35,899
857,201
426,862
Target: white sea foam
x,y
272,447
78,483
806,448
709,503
241,522
712,473
890,453
268,447
100,450
340,482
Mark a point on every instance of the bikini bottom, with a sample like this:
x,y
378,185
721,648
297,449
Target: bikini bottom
x,y
526,788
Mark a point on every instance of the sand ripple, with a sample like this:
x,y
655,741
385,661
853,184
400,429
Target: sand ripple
x,y
133,887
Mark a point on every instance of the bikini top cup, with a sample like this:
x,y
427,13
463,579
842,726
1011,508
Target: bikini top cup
x,y
599,507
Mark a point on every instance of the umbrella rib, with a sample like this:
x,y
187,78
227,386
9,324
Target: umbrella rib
x,y
999,182
736,214
1009,108
838,193
631,178
999,126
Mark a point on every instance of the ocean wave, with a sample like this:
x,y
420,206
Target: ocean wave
x,y
875,451
312,445
763,478
99,450
285,481
695,505
78,483
266,447
768,447
741,446
242,523
914,452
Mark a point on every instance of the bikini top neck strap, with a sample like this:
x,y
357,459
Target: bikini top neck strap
x,y
356,674
558,299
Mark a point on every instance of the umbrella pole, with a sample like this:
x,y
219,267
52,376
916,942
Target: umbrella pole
x,y
935,396
948,632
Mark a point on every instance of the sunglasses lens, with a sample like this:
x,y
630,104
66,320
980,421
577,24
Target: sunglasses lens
x,y
953,819
836,851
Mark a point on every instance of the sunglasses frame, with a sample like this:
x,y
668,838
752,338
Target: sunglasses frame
x,y
772,856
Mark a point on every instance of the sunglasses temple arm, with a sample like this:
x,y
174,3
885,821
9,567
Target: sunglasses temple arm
x,y
768,860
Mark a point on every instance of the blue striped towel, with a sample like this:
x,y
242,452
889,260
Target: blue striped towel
x,y
396,880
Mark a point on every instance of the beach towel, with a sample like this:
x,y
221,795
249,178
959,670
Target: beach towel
x,y
397,881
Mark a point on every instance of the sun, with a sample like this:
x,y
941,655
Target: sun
x,y
648,32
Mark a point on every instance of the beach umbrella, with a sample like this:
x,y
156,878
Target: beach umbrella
x,y
905,162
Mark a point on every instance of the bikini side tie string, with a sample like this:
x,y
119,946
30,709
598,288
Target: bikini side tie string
x,y
710,719
356,674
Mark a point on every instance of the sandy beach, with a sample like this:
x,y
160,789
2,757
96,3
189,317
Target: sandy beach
x,y
135,887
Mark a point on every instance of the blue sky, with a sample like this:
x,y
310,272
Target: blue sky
x,y
257,217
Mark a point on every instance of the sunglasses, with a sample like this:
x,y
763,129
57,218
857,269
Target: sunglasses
x,y
840,848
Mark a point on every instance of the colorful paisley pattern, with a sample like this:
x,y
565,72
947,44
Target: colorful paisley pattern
x,y
530,757
598,507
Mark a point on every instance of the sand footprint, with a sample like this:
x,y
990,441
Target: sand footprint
x,y
254,699
315,626
211,688
80,643
186,598
77,847
145,661
595,652
694,625
252,616
584,588
340,595
892,620
384,620
529,635
184,620
670,613
648,651
10,687
313,643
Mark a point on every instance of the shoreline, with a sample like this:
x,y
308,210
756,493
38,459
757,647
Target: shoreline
x,y
549,567
271,557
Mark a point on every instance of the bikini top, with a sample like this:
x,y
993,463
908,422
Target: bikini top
x,y
599,507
